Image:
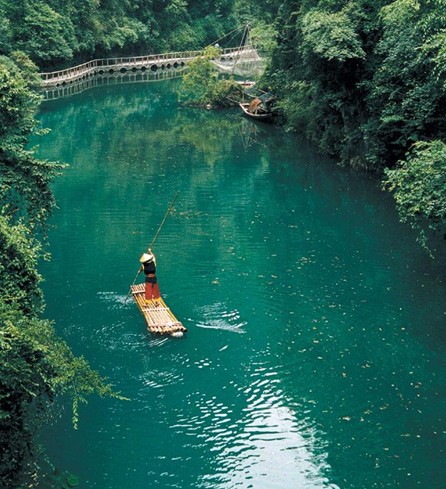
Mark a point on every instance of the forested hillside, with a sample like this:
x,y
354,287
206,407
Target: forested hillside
x,y
364,81
56,32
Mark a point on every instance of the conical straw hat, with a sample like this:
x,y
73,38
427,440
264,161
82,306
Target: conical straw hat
x,y
146,257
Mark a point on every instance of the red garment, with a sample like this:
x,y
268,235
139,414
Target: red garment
x,y
152,291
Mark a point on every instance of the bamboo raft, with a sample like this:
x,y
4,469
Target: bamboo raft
x,y
159,318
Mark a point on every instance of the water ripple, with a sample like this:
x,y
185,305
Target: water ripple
x,y
115,300
216,316
256,436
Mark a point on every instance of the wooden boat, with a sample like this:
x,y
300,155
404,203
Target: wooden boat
x,y
258,114
158,316
246,84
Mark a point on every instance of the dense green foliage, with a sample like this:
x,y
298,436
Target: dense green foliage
x,y
358,79
24,186
201,84
56,32
364,80
419,184
35,365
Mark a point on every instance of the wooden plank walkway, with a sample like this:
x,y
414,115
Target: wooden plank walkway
x,y
154,62
159,319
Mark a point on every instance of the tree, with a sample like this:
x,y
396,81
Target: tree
x,y
24,187
201,84
418,184
331,35
405,98
35,365
44,34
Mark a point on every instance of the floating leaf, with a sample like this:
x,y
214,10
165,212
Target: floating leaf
x,y
72,480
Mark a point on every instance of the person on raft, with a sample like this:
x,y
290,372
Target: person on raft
x,y
152,290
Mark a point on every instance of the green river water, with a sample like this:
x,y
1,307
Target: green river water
x,y
315,351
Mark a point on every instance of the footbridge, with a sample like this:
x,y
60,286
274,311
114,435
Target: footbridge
x,y
156,62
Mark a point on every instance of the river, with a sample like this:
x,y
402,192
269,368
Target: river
x,y
315,351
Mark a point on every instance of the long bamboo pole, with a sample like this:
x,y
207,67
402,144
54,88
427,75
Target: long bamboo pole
x,y
154,239
164,220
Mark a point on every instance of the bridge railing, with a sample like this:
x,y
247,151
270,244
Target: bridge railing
x,y
108,63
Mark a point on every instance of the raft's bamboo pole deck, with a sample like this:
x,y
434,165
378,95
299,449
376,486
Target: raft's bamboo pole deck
x,y
159,318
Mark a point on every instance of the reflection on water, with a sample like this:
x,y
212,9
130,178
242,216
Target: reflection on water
x,y
337,379
106,79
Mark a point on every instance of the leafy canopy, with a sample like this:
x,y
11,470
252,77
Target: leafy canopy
x,y
419,186
35,365
201,85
